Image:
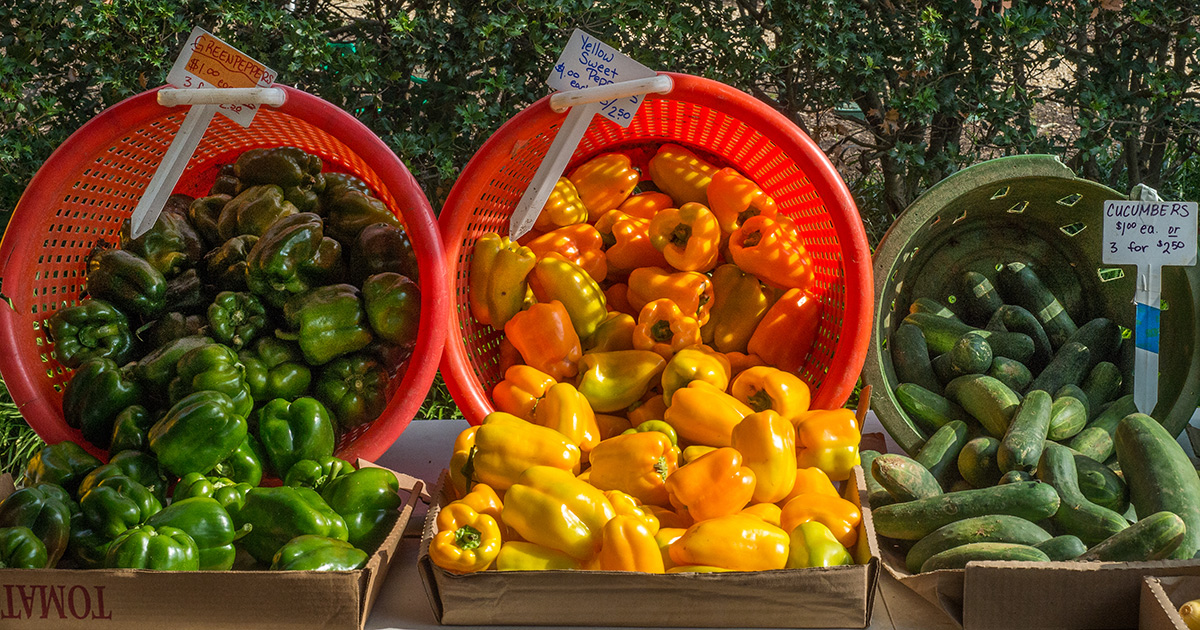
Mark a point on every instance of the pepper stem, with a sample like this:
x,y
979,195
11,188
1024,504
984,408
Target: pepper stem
x,y
661,331
467,537
681,234
759,401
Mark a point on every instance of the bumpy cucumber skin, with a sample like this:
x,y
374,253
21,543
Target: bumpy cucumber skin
x,y
977,461
940,452
1072,390
926,408
1155,537
877,495
1012,373
910,358
1096,439
1065,547
1068,416
1100,485
904,478
941,334
1076,515
958,557
1159,475
1030,500
990,528
971,354
1022,443
989,401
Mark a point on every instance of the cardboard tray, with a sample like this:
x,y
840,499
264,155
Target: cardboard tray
x,y
833,597
124,598
1161,599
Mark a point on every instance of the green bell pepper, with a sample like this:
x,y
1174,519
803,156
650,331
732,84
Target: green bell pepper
x,y
354,388
354,210
212,367
45,513
393,304
275,369
209,525
126,280
253,211
281,263
130,428
338,183
227,182
330,321
328,266
282,166
168,328
229,493
20,548
236,318
94,329
65,464
156,370
188,293
244,464
367,499
317,473
161,549
277,515
117,504
225,266
171,245
197,433
86,546
812,544
318,553
98,391
137,465
382,247
204,214
292,431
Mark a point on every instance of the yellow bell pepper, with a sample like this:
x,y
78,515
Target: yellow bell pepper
x,y
695,568
467,541
734,198
565,410
611,425
764,387
614,333
810,481
635,463
581,244
740,302
768,512
839,515
703,414
545,337
664,538
828,439
690,290
688,236
695,451
497,284
462,462
484,500
681,173
670,518
563,208
519,555
652,408
696,363
716,484
768,447
628,505
555,278
505,446
521,390
738,542
647,204
611,381
813,545
629,545
552,508
663,328
604,182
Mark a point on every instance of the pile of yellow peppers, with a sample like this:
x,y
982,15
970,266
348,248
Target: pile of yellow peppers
x,y
650,417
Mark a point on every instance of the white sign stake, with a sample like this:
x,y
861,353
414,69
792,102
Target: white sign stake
x,y
1151,234
592,78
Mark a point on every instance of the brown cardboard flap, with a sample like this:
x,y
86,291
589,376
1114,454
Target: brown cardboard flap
x,y
7,486
1157,611
377,567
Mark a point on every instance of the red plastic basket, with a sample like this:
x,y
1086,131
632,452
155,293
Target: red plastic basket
x,y
93,182
729,128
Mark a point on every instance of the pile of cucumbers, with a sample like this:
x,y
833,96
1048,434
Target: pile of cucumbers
x,y
1033,452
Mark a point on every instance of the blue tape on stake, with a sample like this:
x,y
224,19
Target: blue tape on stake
x,y
1146,329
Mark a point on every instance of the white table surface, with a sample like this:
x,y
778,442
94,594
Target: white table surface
x,y
423,451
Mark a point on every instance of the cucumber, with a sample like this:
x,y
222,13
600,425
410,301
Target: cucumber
x,y
1076,515
1068,416
933,307
990,528
1020,285
1022,444
960,485
942,368
1096,439
958,557
904,478
1014,476
929,410
941,334
877,495
940,452
1012,373
910,358
1019,320
1102,337
1156,537
1065,547
1102,384
996,323
989,401
1076,392
978,297
1068,367
1100,485
952,387
971,354
1159,475
1030,500
977,462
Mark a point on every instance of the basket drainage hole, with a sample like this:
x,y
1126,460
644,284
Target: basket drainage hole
x,y
1003,192
1071,229
1111,273
951,299
962,215
1070,200
1019,207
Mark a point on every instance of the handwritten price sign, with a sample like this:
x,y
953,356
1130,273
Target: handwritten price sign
x,y
1155,232
206,61
588,62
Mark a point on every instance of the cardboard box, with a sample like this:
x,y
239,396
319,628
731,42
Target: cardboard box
x,y
833,597
126,598
1161,599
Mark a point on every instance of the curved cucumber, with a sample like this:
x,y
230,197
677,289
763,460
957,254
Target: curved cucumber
x,y
1102,384
1102,337
1068,416
977,462
940,452
910,358
1019,320
1012,373
1022,444
1030,500
877,495
1020,285
991,528
1096,439
927,409
989,401
1076,515
1100,485
1065,547
1155,537
978,297
958,557
904,478
1159,475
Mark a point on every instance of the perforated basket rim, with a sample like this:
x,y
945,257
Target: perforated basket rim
x,y
854,335
136,112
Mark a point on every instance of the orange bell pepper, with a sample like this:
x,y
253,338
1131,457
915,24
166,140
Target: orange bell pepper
x,y
737,542
681,174
604,182
716,484
554,278
462,464
629,545
839,515
617,296
565,410
628,505
611,425
703,414
637,464
765,387
627,243
652,408
614,333
688,237
663,328
466,541
544,336
505,446
786,334
508,355
669,518
690,290
771,249
521,390
740,302
580,244
768,512
828,439
563,207
810,481
646,205
734,198
740,362
767,443
550,507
